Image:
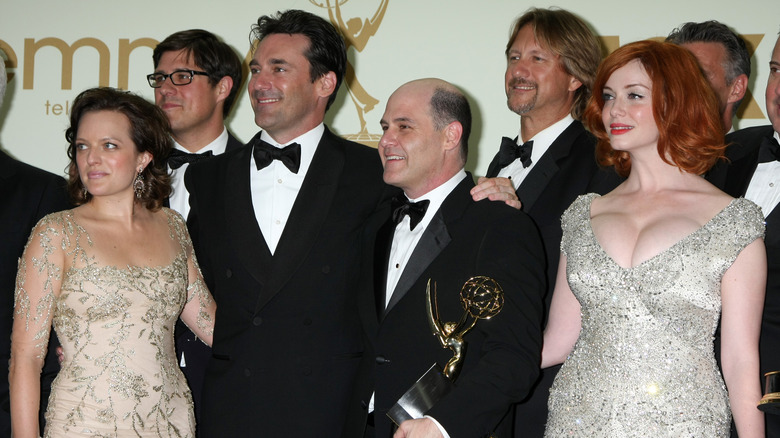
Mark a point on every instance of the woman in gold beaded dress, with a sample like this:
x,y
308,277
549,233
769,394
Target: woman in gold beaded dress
x,y
648,270
112,276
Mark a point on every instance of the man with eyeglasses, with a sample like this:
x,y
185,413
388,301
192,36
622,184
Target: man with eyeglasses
x,y
196,78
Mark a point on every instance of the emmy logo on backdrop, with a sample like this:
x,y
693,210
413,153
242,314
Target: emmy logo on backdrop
x,y
481,298
357,32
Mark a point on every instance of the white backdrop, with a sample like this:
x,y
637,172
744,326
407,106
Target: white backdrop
x,y
457,40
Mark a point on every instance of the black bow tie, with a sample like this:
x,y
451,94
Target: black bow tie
x,y
769,150
178,158
510,151
415,210
265,153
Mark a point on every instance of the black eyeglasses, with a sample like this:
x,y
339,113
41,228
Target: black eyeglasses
x,y
178,77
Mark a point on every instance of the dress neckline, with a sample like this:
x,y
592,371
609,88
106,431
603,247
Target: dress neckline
x,y
93,264
662,252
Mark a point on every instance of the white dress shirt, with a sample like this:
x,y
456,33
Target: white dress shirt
x,y
542,141
405,240
180,198
404,243
275,188
764,187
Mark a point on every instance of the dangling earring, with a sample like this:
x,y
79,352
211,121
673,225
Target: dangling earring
x,y
139,186
84,192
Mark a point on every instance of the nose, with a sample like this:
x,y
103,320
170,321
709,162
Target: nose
x,y
93,156
259,81
387,139
517,68
167,88
614,106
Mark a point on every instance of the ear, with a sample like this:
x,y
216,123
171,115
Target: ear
x,y
738,88
223,88
452,134
326,84
144,159
574,83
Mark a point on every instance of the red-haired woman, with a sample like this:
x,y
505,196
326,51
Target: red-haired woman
x,y
648,270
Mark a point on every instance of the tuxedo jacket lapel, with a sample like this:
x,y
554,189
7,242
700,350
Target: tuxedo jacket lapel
x,y
545,169
740,172
307,216
433,241
251,245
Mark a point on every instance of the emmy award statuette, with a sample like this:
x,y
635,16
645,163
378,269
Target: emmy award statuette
x,y
481,298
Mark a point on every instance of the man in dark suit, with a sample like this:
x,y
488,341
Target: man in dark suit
x,y
26,195
552,57
277,227
196,79
752,171
724,59
423,149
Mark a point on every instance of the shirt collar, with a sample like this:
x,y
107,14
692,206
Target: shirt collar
x,y
217,146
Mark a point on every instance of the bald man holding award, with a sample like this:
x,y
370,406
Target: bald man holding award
x,y
487,352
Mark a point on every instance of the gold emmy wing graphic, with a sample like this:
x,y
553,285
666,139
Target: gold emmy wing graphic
x,y
357,31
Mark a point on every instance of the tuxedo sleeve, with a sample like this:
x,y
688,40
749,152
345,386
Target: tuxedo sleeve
x,y
510,251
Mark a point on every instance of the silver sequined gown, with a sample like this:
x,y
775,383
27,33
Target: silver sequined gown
x,y
643,365
120,377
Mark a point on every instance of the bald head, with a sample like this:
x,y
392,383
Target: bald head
x,y
426,127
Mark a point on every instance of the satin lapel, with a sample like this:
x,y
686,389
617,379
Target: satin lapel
x,y
545,169
433,241
384,240
311,209
244,233
232,143
739,174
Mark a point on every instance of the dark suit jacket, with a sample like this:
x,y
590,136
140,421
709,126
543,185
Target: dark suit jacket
x,y
566,170
464,239
734,178
196,353
26,195
287,340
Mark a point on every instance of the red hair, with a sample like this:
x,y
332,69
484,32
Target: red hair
x,y
685,108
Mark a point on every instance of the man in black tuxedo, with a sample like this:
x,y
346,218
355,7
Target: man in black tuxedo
x,y
423,149
277,227
724,59
196,79
552,57
26,195
752,171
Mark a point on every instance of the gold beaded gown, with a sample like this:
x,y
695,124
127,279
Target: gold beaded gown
x,y
120,377
644,363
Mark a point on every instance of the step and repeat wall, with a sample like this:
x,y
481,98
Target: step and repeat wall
x,y
53,49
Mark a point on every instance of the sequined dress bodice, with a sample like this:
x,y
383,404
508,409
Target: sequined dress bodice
x,y
120,377
644,364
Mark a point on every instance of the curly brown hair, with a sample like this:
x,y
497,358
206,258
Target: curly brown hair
x,y
149,130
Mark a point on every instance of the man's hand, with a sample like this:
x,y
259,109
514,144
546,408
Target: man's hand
x,y
496,189
422,428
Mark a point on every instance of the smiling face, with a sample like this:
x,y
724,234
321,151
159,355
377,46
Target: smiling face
x,y
192,109
411,148
285,100
628,109
106,156
773,88
536,84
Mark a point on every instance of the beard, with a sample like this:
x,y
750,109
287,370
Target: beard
x,y
521,108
